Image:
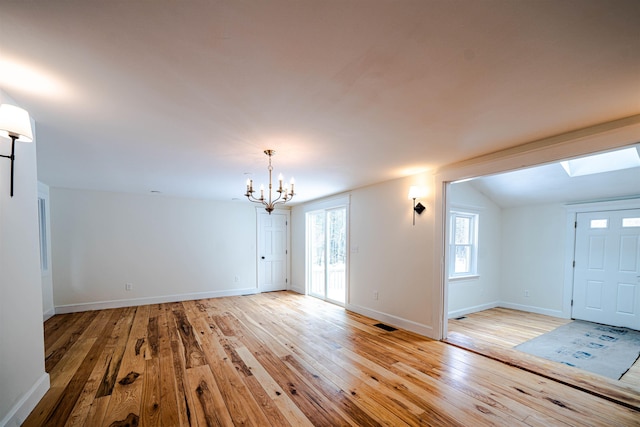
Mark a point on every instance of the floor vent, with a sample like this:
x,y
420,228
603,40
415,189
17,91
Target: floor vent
x,y
461,317
385,327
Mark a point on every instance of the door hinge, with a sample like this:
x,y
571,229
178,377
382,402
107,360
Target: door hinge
x,y
571,303
575,224
574,263
286,280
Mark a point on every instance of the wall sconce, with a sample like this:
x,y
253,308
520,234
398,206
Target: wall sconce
x,y
414,193
15,124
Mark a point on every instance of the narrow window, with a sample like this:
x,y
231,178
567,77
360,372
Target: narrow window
x,y
631,222
42,219
463,243
599,223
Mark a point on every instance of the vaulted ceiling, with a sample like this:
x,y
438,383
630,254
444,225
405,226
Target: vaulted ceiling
x,y
182,97
550,183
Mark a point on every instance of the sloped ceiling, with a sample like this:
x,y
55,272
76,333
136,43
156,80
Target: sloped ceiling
x,y
182,97
551,184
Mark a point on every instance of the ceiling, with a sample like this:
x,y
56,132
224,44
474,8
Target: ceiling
x,y
182,97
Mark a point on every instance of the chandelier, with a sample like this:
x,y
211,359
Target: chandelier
x,y
284,193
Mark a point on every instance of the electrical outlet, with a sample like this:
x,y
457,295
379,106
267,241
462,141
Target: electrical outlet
x,y
526,293
128,286
375,295
236,279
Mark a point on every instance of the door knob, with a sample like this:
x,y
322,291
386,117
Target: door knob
x,y
262,257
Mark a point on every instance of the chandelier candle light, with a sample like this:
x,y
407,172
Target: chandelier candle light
x,y
284,194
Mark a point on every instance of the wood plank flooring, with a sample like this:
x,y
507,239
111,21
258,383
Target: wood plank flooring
x,y
496,331
504,327
283,359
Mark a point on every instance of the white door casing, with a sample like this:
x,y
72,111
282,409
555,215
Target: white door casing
x,y
606,285
273,251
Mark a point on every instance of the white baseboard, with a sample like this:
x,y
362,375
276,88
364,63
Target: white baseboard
x,y
48,314
505,304
102,305
474,309
398,322
21,410
298,290
532,309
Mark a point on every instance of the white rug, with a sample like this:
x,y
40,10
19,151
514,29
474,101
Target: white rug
x,y
603,350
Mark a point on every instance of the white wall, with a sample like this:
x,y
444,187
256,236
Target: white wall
x,y
481,292
387,254
23,380
533,258
168,248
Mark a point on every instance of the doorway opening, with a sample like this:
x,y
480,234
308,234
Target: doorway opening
x,y
524,284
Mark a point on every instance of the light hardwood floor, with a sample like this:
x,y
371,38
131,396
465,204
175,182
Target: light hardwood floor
x,y
284,359
496,331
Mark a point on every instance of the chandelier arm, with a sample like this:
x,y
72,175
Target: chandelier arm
x,y
276,199
253,199
263,201
283,201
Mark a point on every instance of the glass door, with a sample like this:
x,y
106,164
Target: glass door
x,y
327,254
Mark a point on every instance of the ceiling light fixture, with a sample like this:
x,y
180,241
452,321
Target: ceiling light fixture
x,y
284,194
15,124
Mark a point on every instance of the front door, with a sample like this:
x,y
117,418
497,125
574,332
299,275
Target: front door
x,y
606,284
273,251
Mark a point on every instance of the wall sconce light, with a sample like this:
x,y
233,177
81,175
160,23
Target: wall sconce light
x,y
414,193
14,124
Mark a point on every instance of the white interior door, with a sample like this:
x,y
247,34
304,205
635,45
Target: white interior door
x,y
273,251
606,284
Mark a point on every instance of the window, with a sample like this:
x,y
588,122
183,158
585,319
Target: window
x,y
42,219
630,222
604,162
599,223
463,244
